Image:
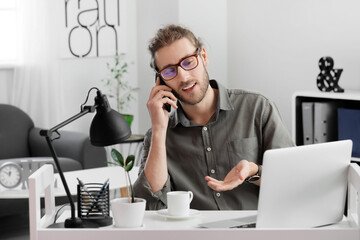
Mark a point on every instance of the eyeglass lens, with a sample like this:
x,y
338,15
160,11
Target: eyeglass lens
x,y
186,64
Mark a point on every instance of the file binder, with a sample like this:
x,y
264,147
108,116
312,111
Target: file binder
x,y
308,122
349,128
325,122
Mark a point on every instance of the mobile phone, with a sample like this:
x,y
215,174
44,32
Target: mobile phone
x,y
166,106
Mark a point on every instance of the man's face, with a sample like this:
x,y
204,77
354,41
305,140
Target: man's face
x,y
188,86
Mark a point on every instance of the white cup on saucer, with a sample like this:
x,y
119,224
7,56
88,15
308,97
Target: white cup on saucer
x,y
178,203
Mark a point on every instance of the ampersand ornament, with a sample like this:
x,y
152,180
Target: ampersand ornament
x,y
328,78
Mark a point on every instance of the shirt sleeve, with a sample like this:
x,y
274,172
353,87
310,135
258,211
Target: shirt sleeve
x,y
142,188
154,201
275,133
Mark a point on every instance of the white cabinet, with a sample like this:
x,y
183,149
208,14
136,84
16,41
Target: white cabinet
x,y
348,99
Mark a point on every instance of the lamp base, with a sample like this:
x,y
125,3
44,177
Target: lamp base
x,y
69,223
73,223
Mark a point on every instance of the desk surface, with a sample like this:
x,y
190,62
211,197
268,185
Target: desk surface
x,y
159,227
115,174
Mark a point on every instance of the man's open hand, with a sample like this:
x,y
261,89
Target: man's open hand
x,y
234,178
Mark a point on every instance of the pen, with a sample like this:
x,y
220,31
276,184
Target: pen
x,y
85,189
95,202
83,186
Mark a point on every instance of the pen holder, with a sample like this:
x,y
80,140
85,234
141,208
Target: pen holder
x,y
94,204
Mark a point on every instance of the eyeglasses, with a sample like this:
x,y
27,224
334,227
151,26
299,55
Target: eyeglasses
x,y
187,63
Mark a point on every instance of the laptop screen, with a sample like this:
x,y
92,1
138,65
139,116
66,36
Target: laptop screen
x,y
301,187
304,186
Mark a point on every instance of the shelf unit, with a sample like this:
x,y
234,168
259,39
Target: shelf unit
x,y
348,99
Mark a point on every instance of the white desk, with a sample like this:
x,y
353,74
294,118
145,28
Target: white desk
x,y
157,227
115,174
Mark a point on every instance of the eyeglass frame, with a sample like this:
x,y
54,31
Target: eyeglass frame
x,y
196,54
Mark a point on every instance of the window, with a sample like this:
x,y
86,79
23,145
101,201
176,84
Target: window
x,y
8,31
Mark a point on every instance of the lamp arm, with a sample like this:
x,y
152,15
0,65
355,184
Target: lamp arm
x,y
62,177
73,221
84,110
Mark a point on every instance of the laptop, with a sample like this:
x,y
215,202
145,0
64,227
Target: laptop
x,y
301,187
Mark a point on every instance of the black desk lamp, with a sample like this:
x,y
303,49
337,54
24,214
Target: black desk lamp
x,y
108,127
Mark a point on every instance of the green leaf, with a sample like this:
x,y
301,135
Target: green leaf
x,y
130,160
117,157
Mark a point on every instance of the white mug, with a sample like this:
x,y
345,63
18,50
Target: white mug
x,y
178,203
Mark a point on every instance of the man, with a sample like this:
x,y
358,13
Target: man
x,y
213,143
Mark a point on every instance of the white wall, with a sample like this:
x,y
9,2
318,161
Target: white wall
x,y
274,46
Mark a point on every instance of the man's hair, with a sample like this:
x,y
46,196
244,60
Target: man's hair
x,y
166,36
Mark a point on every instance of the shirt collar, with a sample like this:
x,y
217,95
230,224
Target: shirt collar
x,y
224,103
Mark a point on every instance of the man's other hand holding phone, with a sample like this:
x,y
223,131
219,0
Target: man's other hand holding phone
x,y
160,96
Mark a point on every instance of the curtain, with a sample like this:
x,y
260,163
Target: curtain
x,y
37,85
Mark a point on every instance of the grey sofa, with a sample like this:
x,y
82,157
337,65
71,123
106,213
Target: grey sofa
x,y
20,141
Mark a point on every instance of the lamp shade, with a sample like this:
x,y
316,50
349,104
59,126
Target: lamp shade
x,y
108,127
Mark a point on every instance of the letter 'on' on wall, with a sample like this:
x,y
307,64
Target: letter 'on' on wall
x,y
95,28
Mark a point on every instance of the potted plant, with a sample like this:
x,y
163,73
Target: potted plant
x,y
120,89
128,211
127,165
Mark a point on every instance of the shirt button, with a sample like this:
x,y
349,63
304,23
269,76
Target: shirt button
x,y
218,194
208,149
212,171
205,128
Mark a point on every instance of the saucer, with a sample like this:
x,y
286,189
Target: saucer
x,y
164,213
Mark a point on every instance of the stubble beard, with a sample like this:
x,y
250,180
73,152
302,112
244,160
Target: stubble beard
x,y
204,85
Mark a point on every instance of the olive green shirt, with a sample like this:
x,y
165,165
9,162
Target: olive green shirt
x,y
243,127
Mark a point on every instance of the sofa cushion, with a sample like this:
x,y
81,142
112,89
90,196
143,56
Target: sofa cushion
x,y
15,125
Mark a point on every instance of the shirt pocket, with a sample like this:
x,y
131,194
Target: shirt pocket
x,y
242,149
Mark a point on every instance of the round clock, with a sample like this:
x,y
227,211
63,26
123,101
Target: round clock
x,y
10,175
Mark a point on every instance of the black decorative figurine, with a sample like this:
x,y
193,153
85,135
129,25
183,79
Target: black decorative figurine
x,y
328,78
